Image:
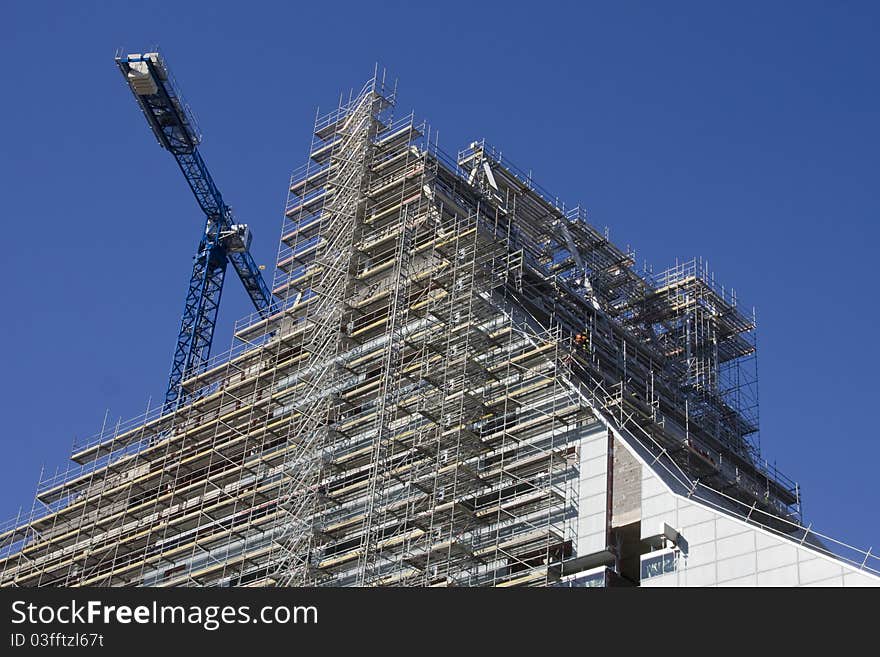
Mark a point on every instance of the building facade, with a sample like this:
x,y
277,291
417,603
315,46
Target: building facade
x,y
467,384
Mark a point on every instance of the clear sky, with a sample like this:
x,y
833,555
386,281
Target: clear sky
x,y
747,133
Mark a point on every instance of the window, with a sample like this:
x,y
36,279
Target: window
x,y
585,580
659,563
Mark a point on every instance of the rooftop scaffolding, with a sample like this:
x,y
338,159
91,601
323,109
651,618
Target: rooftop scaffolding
x,y
414,412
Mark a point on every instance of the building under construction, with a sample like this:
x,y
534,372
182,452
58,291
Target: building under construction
x,y
463,383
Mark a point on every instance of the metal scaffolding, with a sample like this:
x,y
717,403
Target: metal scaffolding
x,y
411,414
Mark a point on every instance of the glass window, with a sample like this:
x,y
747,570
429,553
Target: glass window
x,y
659,564
596,579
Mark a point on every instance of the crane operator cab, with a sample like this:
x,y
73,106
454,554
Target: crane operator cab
x,y
237,239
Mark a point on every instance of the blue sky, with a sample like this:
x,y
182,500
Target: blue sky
x,y
743,132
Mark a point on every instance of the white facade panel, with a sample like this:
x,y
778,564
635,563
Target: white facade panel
x,y
699,555
782,576
816,569
662,581
592,491
736,567
733,546
590,543
594,486
594,445
834,582
697,535
725,526
651,485
765,540
697,576
749,580
691,514
859,579
591,504
777,555
658,505
592,524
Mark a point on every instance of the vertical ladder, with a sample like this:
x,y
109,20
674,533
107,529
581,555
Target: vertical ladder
x,y
313,411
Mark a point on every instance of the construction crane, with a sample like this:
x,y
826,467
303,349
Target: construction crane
x,y
222,241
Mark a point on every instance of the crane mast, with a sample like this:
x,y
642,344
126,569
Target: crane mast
x,y
223,241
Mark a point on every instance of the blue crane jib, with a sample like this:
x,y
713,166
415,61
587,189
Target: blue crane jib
x,y
223,240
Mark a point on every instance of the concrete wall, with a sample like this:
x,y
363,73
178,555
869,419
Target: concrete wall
x,y
627,487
